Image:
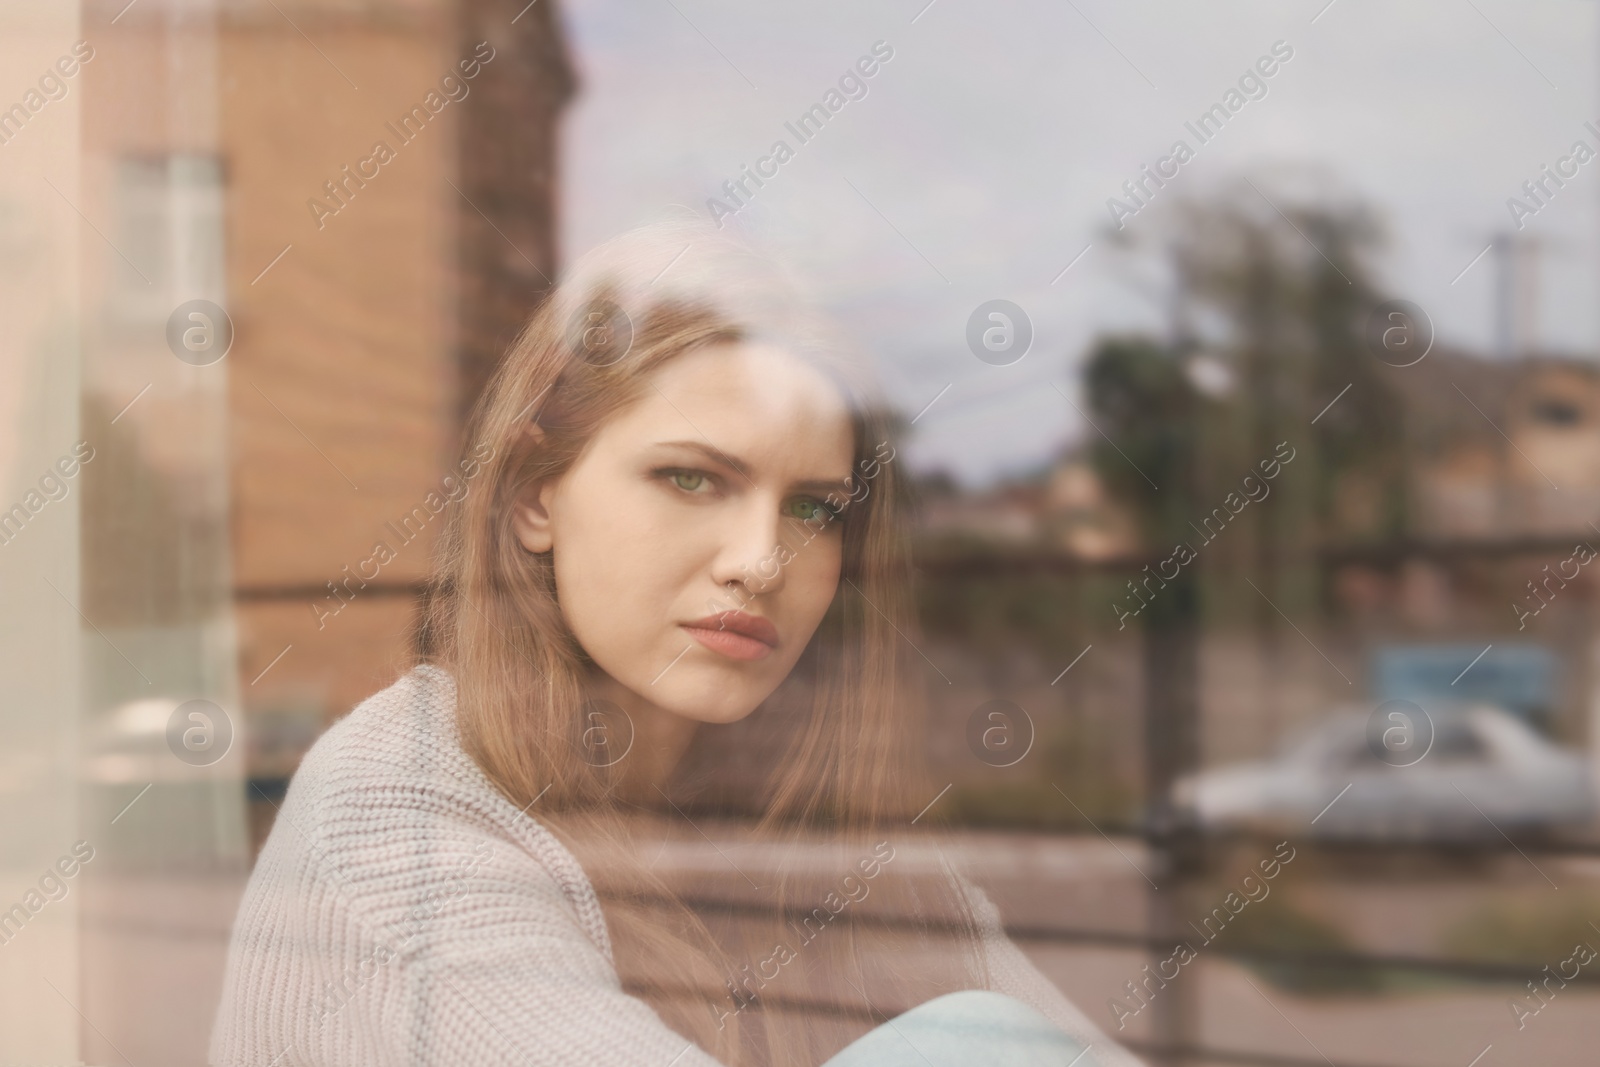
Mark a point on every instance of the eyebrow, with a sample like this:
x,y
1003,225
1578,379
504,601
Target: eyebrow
x,y
816,485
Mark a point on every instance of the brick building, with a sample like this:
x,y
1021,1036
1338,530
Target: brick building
x,y
230,153
370,290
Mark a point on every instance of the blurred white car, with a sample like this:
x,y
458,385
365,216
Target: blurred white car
x,y
1484,773
129,745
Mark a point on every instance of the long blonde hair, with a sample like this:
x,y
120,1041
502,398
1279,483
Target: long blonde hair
x,y
845,721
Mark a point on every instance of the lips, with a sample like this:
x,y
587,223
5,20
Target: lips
x,y
735,634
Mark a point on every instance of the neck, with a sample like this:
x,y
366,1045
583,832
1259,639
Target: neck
x,y
660,738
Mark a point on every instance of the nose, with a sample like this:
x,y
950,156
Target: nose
x,y
748,551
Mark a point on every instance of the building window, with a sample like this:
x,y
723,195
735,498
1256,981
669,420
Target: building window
x,y
168,212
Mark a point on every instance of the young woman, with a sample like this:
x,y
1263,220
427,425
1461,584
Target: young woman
x,y
675,584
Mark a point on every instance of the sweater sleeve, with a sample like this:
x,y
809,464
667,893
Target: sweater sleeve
x,y
402,919
494,968
1012,973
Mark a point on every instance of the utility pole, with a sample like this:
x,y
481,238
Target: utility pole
x,y
1505,272
1516,294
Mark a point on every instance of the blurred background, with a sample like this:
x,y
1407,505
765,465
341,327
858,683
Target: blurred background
x,y
1259,477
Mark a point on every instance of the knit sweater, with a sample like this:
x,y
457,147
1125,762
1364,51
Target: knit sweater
x,y
403,911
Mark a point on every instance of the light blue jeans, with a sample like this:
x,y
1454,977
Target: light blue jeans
x,y
973,1028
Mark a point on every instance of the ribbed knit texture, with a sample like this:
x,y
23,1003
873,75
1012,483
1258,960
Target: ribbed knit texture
x,y
403,912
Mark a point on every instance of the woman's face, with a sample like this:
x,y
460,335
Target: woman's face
x,y
691,503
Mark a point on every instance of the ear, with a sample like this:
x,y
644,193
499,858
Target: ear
x,y
530,515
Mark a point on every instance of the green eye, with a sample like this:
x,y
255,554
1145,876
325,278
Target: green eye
x,y
688,481
809,509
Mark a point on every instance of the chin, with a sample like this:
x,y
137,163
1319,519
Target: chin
x,y
714,708
714,698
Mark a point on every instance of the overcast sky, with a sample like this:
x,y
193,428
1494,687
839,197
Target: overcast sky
x,y
979,163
